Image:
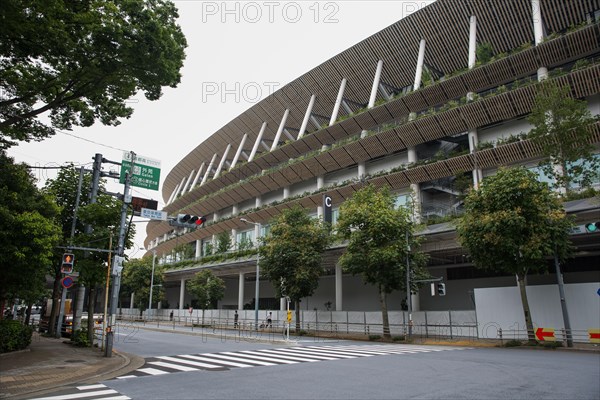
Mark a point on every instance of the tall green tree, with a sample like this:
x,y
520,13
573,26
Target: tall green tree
x,y
28,232
104,217
291,254
381,237
512,224
562,124
206,289
137,275
81,60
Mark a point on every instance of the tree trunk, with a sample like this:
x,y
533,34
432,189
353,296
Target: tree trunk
x,y
2,305
522,282
55,304
90,313
384,314
297,305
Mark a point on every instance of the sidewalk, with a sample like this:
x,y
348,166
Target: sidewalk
x,y
49,363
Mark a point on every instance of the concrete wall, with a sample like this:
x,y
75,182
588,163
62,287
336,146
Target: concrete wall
x,y
501,307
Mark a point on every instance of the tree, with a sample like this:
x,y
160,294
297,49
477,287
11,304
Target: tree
x,y
137,276
28,232
290,255
562,124
380,238
63,190
103,216
81,61
206,288
512,223
223,243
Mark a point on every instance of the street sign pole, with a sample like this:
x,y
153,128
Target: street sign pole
x,y
116,273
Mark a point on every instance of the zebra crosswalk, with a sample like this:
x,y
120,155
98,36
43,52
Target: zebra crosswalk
x,y
226,360
221,361
88,392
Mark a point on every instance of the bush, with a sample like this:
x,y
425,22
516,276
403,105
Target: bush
x,y
14,336
79,338
398,338
374,337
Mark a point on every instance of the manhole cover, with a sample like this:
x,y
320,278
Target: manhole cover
x,y
74,361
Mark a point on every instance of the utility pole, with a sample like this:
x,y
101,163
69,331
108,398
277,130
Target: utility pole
x,y
117,266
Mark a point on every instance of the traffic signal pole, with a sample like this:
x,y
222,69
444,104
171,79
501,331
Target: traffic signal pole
x,y
116,270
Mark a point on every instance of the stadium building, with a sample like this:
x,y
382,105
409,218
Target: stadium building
x,y
411,108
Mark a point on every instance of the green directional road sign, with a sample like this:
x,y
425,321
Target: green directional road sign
x,y
145,172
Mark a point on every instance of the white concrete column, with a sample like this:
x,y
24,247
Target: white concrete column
x,y
338,288
419,69
282,304
338,102
320,181
257,142
223,159
180,188
362,170
375,84
173,194
258,202
187,182
210,166
473,141
538,33
415,187
280,129
472,41
286,192
235,210
241,281
320,184
181,293
234,238
238,152
311,104
198,253
132,301
200,170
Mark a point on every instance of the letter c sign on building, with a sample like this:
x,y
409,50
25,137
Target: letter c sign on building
x,y
327,203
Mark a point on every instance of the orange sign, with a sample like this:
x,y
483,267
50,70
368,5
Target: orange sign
x,y
545,334
594,335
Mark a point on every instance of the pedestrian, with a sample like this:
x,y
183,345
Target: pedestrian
x,y
269,321
235,319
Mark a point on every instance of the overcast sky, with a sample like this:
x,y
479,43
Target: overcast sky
x,y
246,48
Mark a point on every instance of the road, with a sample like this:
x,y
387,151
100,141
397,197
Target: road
x,y
205,367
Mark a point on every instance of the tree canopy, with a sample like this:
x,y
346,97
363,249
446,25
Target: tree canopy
x,y
380,239
80,61
291,254
512,224
137,276
206,288
563,126
28,232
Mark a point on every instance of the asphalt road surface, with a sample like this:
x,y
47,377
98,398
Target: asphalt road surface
x,y
205,367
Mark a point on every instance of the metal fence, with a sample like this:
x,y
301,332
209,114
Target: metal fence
x,y
425,324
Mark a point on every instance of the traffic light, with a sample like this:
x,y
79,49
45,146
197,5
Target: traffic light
x,y
66,266
441,289
592,227
190,221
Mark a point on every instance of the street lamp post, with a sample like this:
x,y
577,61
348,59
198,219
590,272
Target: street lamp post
x,y
257,284
151,283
